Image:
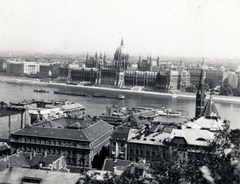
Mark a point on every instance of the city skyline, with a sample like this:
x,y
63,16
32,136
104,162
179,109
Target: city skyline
x,y
164,28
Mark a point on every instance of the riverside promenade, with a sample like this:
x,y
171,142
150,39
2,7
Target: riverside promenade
x,y
136,90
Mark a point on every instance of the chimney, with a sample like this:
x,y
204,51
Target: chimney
x,y
2,105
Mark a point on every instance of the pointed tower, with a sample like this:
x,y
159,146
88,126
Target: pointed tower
x,y
104,59
121,42
139,62
200,96
158,62
150,63
87,58
96,59
210,111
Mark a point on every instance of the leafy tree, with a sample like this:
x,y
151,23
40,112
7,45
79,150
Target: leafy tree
x,y
191,89
215,164
236,92
226,90
209,83
220,156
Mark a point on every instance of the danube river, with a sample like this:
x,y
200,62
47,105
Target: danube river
x,y
12,91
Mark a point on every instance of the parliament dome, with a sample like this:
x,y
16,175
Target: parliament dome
x,y
121,50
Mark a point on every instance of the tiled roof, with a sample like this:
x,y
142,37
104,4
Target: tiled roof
x,y
121,134
109,164
154,128
47,177
206,123
96,129
135,121
66,122
52,133
210,110
40,158
15,160
152,139
4,146
193,136
88,134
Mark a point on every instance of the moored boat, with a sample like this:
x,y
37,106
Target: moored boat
x,y
40,90
120,97
73,94
168,112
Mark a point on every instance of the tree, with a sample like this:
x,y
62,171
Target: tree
x,y
191,89
236,92
209,83
216,163
167,169
226,90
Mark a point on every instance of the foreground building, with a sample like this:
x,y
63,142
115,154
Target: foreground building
x,y
79,140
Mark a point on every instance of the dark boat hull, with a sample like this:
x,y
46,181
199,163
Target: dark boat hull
x,y
37,91
103,96
73,94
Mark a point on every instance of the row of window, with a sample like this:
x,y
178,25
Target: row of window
x,y
147,152
54,143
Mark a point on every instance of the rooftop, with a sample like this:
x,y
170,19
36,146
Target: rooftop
x,y
193,136
16,175
152,139
109,164
88,134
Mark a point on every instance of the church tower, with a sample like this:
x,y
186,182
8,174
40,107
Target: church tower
x,y
99,73
200,96
158,64
104,59
96,59
139,62
150,63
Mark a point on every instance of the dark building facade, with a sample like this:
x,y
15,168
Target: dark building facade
x,y
79,141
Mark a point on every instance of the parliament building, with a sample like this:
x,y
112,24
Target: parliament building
x,y
97,71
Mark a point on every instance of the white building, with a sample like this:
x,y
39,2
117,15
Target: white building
x,y
233,79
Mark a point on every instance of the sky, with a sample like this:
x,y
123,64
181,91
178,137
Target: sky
x,y
174,28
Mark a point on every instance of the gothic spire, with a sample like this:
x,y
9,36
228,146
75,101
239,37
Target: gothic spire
x,y
122,42
200,96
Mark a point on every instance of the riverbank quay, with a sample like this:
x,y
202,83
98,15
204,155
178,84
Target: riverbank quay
x,y
175,95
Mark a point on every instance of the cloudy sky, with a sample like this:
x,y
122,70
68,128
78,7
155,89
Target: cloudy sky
x,y
199,28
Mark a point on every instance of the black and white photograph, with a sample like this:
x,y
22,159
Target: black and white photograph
x,y
119,92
